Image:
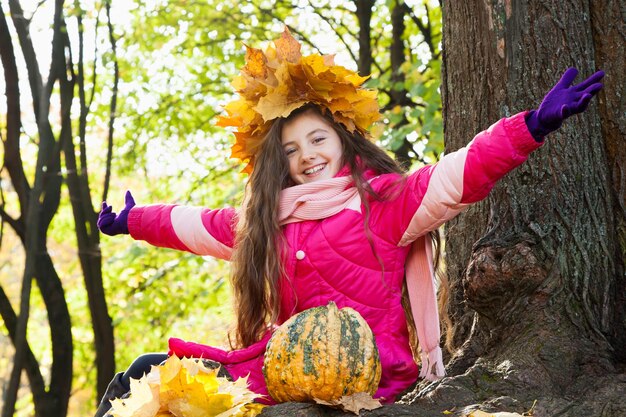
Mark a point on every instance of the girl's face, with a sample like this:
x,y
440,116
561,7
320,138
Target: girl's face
x,y
312,147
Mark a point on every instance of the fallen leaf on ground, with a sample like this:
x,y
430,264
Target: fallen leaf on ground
x,y
353,403
479,413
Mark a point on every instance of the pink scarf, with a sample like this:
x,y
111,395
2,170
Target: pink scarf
x,y
322,199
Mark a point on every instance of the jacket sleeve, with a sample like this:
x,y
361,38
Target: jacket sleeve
x,y
193,229
436,193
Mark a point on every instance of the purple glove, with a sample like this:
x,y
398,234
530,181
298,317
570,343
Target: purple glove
x,y
112,224
561,102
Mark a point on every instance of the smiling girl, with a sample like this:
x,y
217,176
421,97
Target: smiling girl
x,y
329,216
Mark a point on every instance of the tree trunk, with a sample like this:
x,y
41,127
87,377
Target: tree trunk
x,y
87,234
55,402
364,15
32,227
538,263
91,264
397,56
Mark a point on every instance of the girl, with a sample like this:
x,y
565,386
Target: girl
x,y
328,216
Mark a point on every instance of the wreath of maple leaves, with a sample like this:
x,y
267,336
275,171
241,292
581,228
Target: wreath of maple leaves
x,y
280,80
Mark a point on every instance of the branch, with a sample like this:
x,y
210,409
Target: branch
x,y
333,24
30,57
16,224
94,75
12,154
84,107
425,30
270,13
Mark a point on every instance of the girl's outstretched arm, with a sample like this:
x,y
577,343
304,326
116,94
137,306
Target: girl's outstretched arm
x,y
440,191
197,230
193,229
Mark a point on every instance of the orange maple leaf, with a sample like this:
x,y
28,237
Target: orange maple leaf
x,y
287,47
255,63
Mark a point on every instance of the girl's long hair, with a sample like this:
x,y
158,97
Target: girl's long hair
x,y
257,258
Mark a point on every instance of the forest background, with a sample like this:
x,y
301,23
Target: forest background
x,y
104,96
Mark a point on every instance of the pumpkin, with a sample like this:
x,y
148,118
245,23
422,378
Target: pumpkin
x,y
322,353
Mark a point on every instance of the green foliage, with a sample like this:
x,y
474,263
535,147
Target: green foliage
x,y
160,293
417,125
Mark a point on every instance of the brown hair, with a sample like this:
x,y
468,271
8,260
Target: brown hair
x,y
257,265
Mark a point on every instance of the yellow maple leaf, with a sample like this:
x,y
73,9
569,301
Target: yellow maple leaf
x,y
239,83
319,86
143,401
340,104
316,63
279,102
180,380
190,389
329,60
272,57
198,404
238,390
339,75
240,113
247,86
170,369
186,388
251,410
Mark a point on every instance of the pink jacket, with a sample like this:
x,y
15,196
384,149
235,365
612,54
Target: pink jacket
x,y
331,259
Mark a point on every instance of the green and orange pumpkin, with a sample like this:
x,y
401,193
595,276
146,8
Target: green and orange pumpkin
x,y
322,353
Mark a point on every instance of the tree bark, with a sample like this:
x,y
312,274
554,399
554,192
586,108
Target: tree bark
x,y
536,268
609,39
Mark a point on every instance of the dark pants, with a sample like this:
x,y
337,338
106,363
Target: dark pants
x,y
120,385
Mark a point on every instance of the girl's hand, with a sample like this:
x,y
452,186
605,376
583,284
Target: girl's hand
x,y
112,224
561,102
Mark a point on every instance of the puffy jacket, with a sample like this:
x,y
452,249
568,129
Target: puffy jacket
x,y
331,259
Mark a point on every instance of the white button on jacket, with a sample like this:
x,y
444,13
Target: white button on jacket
x,y
300,255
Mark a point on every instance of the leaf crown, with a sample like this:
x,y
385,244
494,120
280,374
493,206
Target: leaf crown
x,y
280,80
